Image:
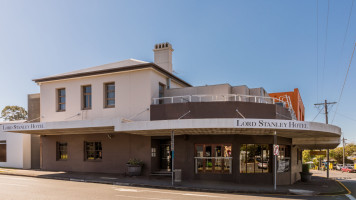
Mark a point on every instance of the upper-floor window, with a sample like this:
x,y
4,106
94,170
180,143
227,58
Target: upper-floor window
x,y
86,96
109,95
161,92
61,99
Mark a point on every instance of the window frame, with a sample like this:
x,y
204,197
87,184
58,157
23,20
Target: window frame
x,y
213,159
94,153
59,150
106,92
84,97
243,167
59,103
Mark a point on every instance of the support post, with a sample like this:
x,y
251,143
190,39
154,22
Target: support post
x,y
275,163
328,164
172,152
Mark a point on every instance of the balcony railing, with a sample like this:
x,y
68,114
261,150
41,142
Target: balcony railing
x,y
283,100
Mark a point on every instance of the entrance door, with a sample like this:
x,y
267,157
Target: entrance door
x,y
165,152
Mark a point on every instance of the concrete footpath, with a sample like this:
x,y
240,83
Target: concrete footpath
x,y
318,185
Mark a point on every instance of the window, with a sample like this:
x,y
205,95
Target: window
x,y
254,158
161,92
2,151
283,161
86,91
62,152
109,95
153,152
61,99
93,150
213,158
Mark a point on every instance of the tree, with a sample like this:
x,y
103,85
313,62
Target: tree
x,y
306,156
13,113
337,153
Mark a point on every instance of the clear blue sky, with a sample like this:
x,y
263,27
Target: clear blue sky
x,y
270,44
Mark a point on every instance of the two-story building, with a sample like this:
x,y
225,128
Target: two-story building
x,y
96,119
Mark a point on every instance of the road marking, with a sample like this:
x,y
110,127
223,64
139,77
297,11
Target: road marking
x,y
141,197
12,184
126,190
350,196
15,178
162,192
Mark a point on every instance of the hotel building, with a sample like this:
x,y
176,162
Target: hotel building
x,y
96,119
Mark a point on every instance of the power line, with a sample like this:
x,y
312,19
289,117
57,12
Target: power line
x,y
317,114
326,45
343,86
348,24
317,50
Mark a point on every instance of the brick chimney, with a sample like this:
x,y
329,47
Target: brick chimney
x,y
163,56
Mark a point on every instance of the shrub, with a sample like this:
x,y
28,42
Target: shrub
x,y
305,168
135,162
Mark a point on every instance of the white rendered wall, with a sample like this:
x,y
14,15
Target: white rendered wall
x,y
134,91
18,150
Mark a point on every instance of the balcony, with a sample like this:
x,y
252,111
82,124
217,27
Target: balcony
x,y
222,106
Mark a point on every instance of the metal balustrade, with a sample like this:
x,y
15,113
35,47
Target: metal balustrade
x,y
284,100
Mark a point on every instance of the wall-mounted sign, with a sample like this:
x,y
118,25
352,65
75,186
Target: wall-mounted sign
x,y
23,126
272,124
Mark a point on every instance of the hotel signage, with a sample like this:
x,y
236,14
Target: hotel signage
x,y
272,124
23,127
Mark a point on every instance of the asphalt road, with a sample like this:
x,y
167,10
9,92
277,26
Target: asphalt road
x,y
19,188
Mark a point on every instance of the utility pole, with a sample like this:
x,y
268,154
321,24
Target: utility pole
x,y
326,104
343,152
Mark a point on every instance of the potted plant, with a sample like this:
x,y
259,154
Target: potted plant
x,y
305,174
134,167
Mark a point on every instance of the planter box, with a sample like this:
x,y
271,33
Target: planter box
x,y
305,177
134,170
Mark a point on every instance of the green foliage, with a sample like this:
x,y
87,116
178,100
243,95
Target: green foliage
x,y
135,162
13,113
305,168
306,156
337,153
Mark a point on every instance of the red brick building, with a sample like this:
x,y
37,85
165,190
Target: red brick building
x,y
297,102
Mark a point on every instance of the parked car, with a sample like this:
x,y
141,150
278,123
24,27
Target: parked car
x,y
263,165
348,169
338,167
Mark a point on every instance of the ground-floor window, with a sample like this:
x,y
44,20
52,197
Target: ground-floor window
x,y
283,161
213,158
62,152
254,158
93,151
2,151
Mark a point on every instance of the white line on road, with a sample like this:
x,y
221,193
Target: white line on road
x,y
161,192
14,184
141,197
350,196
15,178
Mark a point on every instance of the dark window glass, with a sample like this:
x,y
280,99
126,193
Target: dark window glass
x,y
93,151
61,95
109,95
254,158
62,152
87,97
2,151
161,92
